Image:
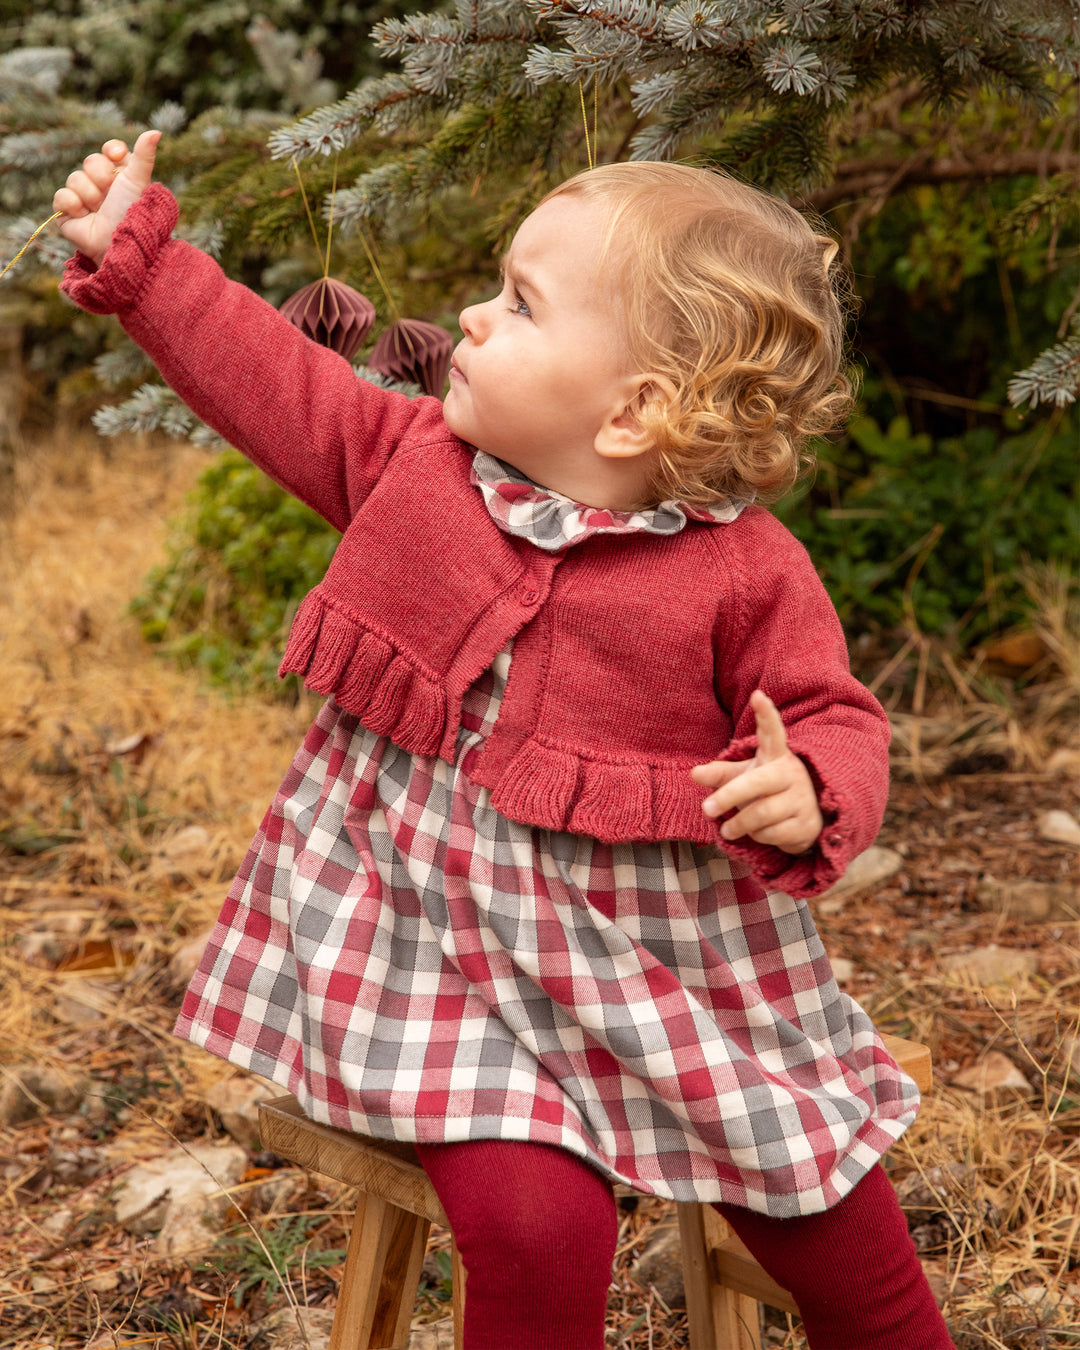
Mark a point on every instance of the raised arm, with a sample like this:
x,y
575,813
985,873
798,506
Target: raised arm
x,y
294,407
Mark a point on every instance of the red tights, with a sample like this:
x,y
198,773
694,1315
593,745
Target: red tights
x,y
536,1230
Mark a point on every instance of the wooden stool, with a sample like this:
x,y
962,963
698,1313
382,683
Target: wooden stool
x,y
397,1206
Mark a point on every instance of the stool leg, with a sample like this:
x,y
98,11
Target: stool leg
x,y
738,1321
696,1280
719,1318
382,1274
457,1270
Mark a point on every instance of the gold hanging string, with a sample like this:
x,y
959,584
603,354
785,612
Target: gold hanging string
x,y
378,273
585,123
55,216
325,260
325,257
330,222
329,239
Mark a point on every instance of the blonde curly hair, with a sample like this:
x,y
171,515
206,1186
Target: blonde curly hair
x,y
739,308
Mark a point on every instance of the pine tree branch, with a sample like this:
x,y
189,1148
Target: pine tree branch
x,y
340,124
861,177
1053,377
396,37
641,20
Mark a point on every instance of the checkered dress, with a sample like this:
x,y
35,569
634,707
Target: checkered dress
x,y
412,965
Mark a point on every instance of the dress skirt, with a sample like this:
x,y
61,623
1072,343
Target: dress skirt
x,y
412,965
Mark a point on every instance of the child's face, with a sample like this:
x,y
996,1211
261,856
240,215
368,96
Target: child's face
x,y
542,368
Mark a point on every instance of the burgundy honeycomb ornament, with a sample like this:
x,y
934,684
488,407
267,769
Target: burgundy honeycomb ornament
x,y
413,350
333,314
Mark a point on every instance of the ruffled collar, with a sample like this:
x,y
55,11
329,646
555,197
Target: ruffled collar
x,y
551,521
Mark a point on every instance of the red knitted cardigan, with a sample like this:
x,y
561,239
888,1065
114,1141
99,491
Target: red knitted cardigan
x,y
634,656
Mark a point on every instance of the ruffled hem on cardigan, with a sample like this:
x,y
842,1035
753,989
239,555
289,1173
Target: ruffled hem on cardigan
x,y
541,784
615,802
334,653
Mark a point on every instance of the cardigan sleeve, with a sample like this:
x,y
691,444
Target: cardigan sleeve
x,y
782,635
291,405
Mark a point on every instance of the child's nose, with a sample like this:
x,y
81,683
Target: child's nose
x,y
474,320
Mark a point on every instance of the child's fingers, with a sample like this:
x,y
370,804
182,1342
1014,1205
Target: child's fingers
x,y
85,190
719,772
793,834
100,170
139,167
87,187
68,201
759,780
759,816
116,151
771,736
716,776
786,820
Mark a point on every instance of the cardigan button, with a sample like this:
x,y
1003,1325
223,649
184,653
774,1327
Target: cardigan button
x,y
529,597
836,840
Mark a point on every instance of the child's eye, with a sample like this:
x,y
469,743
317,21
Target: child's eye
x,y
519,306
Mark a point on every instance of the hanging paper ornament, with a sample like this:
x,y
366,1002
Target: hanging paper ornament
x,y
333,314
413,350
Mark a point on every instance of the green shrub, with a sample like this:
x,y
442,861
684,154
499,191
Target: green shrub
x,y
905,528
240,561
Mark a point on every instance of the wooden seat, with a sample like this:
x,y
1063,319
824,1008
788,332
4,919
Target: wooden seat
x,y
397,1206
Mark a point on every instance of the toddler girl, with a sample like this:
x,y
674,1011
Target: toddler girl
x,y
533,893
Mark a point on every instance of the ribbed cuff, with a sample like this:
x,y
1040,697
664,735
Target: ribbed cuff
x,y
114,283
798,874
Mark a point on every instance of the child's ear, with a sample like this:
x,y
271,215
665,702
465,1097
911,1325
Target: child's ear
x,y
625,433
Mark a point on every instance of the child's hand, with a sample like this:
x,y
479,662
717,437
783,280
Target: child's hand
x,y
774,790
96,196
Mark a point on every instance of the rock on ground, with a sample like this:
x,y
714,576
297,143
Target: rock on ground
x,y
938,1280
1030,901
992,964
236,1100
869,868
434,1336
186,853
280,1330
30,1090
1059,827
660,1266
185,959
843,970
177,1195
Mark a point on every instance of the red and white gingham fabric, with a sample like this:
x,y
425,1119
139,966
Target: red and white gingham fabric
x,y
412,965
551,521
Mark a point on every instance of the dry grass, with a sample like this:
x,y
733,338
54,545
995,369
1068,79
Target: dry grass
x,y
944,710
1001,1176
108,755
79,682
